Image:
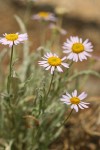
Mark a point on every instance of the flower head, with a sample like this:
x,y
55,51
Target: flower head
x,y
52,61
77,49
45,16
61,10
57,29
74,100
13,39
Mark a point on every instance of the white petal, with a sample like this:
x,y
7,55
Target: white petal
x,y
82,56
42,62
52,69
74,94
72,106
48,68
63,58
44,58
70,56
66,51
87,54
80,40
65,100
83,105
45,65
59,69
80,106
68,95
65,65
82,96
68,103
76,108
86,41
75,57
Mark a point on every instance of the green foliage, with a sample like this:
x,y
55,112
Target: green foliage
x,y
29,118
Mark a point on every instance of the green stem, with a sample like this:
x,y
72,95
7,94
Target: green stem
x,y
67,117
50,85
46,96
10,71
85,72
71,63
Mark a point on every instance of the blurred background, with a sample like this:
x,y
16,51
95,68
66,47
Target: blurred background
x,y
80,18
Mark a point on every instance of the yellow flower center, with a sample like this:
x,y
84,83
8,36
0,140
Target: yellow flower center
x,y
75,100
11,37
54,61
78,47
43,14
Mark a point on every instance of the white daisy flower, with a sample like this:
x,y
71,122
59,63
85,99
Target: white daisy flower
x,y
74,100
77,49
46,16
52,61
13,39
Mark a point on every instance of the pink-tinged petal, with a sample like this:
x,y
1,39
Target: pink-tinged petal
x,y
10,44
86,41
82,57
64,58
74,94
59,69
44,58
80,40
66,51
45,65
68,95
87,54
68,103
42,62
82,96
72,106
70,56
80,106
55,55
76,108
48,68
65,65
83,105
68,41
65,100
52,69
75,58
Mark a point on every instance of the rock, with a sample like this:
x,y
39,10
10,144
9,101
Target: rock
x,y
85,10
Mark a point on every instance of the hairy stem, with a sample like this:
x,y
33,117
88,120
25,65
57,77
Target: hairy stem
x,y
67,117
10,71
50,85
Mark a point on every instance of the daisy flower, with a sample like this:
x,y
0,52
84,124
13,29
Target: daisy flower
x,y
74,100
77,49
45,16
13,39
52,61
